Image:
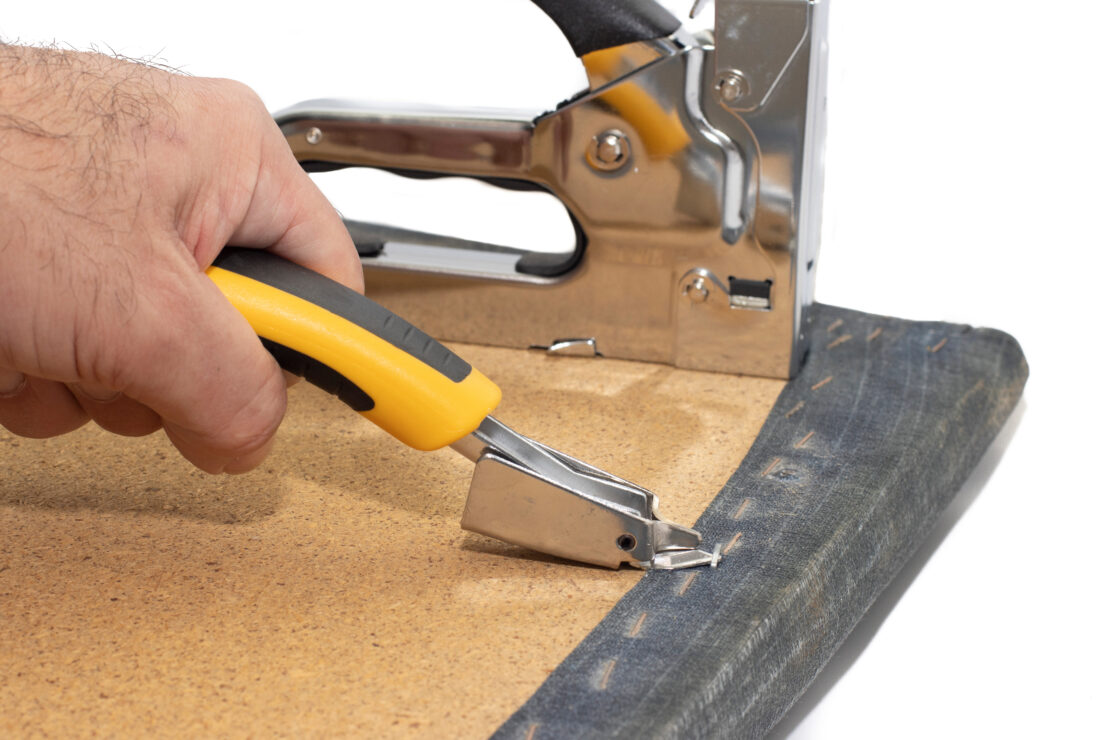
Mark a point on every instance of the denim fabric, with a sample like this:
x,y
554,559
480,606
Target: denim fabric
x,y
856,461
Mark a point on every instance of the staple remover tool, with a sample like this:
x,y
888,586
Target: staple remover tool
x,y
413,387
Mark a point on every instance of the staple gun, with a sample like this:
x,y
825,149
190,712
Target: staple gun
x,y
691,169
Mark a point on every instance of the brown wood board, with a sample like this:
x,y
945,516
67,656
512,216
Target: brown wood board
x,y
332,591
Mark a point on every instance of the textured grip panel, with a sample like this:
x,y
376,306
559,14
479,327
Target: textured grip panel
x,y
590,25
320,375
345,303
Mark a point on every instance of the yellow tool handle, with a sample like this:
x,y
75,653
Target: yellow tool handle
x,y
373,360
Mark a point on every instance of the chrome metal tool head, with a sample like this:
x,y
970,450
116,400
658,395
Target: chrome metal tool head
x,y
528,494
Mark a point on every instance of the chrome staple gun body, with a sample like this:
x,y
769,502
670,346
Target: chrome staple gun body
x,y
690,167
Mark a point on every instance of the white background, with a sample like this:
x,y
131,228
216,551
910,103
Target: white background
x,y
966,181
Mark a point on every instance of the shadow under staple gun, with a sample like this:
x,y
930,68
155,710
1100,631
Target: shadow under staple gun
x,y
691,170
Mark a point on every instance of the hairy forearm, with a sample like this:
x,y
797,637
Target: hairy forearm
x,y
119,184
73,125
53,94
73,130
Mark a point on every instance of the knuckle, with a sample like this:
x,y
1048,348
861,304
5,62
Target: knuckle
x,y
238,94
248,432
247,442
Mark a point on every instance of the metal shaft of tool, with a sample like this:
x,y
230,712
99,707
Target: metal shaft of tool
x,y
548,463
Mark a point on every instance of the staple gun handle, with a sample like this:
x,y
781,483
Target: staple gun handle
x,y
496,147
590,25
373,360
334,134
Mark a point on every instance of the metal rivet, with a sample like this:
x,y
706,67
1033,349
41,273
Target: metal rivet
x,y
314,135
626,542
697,290
610,150
732,85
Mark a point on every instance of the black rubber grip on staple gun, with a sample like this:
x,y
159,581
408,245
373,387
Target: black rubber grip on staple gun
x,y
590,25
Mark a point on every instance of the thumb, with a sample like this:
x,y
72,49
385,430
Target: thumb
x,y
220,394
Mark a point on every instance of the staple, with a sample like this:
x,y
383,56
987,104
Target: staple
x,y
604,682
875,334
732,543
686,583
839,341
796,409
802,442
638,626
740,509
821,383
937,347
531,734
963,399
774,464
835,325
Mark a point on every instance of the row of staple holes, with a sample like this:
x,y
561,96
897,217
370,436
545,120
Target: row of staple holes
x,y
635,629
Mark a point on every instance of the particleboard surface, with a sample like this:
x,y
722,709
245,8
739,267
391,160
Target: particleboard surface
x,y
331,592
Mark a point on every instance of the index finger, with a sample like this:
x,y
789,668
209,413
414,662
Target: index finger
x,y
290,216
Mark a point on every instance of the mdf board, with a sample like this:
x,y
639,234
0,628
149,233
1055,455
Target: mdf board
x,y
331,592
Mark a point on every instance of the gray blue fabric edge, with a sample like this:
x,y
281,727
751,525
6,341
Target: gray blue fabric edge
x,y
856,461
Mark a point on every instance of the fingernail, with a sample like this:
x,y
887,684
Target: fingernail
x,y
11,383
95,392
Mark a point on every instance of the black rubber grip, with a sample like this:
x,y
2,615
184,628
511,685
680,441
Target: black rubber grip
x,y
320,375
590,25
345,303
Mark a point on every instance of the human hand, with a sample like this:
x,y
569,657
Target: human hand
x,y
119,184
